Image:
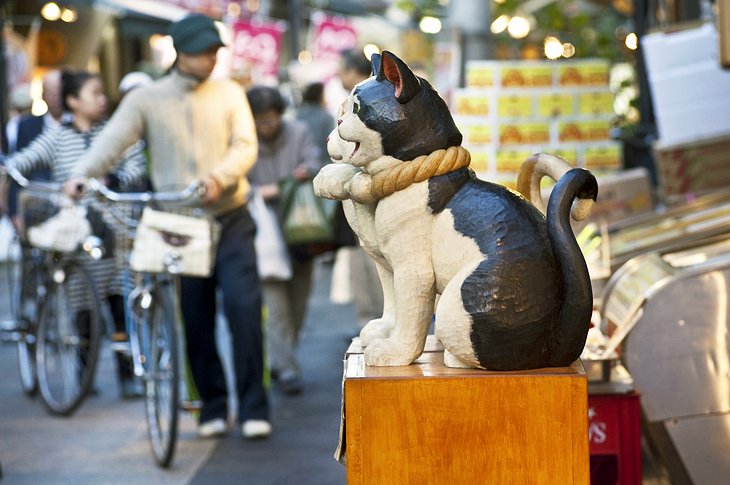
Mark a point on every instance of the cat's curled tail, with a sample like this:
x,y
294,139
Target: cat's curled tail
x,y
542,165
569,338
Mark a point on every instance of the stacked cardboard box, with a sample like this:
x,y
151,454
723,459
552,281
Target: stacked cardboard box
x,y
510,110
691,97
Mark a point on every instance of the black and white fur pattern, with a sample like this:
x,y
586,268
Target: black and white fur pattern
x,y
514,291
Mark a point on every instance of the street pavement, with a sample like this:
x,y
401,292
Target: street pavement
x,y
105,441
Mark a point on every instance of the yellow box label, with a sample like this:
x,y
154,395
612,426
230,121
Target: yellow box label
x,y
583,74
511,160
599,102
584,131
479,161
471,104
527,77
603,158
514,106
480,76
524,133
596,74
570,155
596,130
555,105
478,134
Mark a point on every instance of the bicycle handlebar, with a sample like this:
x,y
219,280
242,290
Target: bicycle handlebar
x,y
196,189
20,179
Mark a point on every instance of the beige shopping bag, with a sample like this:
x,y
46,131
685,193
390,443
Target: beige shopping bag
x,y
176,243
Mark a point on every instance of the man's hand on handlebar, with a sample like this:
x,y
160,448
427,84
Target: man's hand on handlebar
x,y
74,187
212,191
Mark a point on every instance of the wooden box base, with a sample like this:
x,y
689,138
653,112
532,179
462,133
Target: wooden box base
x,y
426,423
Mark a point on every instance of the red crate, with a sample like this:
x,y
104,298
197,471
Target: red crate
x,y
614,433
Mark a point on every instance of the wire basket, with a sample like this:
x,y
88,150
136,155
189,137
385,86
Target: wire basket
x,y
49,220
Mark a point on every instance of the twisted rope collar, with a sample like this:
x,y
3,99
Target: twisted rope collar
x,y
421,168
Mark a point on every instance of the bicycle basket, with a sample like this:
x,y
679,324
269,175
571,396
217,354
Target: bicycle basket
x,y
184,244
52,221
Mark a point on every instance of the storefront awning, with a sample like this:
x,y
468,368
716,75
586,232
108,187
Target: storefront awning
x,y
147,8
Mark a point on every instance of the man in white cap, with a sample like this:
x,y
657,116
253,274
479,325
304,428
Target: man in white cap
x,y
197,128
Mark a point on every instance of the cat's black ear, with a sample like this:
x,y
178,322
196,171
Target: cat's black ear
x,y
397,72
375,62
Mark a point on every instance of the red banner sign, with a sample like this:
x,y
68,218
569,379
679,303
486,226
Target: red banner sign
x,y
329,35
256,48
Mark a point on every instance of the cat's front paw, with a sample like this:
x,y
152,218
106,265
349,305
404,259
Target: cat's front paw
x,y
388,353
375,329
332,181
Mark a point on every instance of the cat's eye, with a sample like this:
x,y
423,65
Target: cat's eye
x,y
355,108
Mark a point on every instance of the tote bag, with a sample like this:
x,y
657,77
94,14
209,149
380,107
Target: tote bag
x,y
306,218
163,238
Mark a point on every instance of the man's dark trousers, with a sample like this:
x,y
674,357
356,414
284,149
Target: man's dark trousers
x,y
236,275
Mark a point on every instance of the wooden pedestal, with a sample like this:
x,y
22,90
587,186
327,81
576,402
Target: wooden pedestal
x,y
426,423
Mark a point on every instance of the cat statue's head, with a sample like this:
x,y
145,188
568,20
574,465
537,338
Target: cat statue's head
x,y
393,113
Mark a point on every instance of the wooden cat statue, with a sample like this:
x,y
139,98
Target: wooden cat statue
x,y
512,286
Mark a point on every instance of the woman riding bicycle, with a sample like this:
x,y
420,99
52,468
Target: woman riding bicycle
x,y
58,149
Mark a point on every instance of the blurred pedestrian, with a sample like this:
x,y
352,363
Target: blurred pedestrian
x,y
200,129
365,286
354,68
20,105
285,149
30,126
58,150
312,112
320,123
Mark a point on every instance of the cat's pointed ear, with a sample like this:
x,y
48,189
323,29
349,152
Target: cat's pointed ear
x,y
375,62
397,72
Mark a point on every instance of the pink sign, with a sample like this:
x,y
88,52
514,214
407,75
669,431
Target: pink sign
x,y
256,48
329,35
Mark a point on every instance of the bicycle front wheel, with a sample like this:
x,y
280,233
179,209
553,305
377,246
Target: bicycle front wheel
x,y
69,333
28,294
162,381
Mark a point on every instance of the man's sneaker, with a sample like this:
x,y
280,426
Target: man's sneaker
x,y
253,429
213,428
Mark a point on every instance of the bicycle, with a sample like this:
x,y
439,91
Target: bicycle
x,y
56,315
152,308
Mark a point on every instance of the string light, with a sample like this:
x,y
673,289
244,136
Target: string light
x,y
518,27
430,25
632,41
553,47
500,24
51,12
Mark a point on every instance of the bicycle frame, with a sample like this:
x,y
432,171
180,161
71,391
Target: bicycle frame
x,y
145,298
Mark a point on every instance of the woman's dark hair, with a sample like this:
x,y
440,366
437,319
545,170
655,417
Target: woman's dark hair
x,y
265,98
313,93
72,82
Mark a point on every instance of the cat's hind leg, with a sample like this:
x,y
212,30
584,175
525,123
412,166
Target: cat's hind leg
x,y
454,324
450,360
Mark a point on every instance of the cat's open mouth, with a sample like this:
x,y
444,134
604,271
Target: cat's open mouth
x,y
357,147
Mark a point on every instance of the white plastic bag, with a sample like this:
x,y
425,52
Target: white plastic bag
x,y
62,232
272,255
